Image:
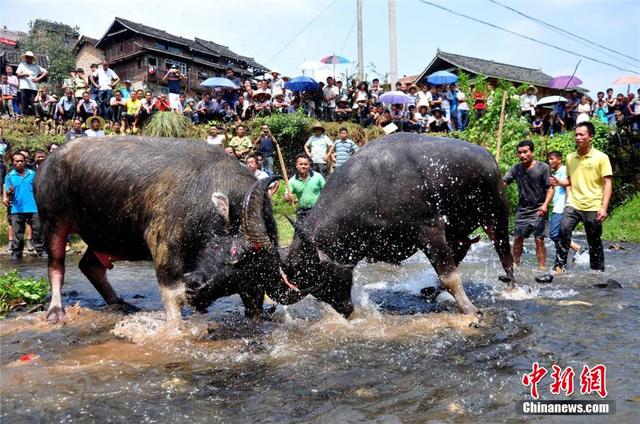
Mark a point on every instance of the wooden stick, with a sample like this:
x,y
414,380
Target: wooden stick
x,y
501,124
282,167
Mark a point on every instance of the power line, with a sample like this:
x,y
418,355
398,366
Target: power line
x,y
303,30
527,37
590,44
348,35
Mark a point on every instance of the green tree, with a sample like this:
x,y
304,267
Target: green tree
x,y
56,41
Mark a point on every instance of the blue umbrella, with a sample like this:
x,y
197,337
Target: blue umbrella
x,y
395,97
218,82
442,77
301,83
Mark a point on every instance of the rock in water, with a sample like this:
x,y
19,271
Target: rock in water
x,y
544,279
609,284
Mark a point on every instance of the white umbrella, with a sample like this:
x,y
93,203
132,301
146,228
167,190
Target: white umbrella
x,y
312,65
551,100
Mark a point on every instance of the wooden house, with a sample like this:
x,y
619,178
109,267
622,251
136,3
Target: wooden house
x,y
143,55
492,71
86,53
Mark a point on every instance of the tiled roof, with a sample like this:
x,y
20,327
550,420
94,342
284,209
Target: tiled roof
x,y
489,68
200,45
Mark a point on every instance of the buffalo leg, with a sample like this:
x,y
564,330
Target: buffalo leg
x,y
499,236
173,292
252,299
96,273
459,250
56,242
434,244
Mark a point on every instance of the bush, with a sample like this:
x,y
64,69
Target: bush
x,y
17,291
27,133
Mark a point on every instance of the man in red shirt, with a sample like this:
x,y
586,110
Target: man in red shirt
x,y
479,103
162,103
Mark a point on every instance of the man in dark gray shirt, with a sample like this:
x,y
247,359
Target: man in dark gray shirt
x,y
535,194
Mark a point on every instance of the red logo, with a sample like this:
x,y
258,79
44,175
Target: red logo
x,y
594,380
534,378
591,380
562,381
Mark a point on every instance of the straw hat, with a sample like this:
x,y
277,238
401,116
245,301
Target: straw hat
x,y
28,53
91,118
317,125
534,88
261,94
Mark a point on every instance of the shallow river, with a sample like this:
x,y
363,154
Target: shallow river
x,y
399,360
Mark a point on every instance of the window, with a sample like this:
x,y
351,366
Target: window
x,y
175,49
161,45
182,67
153,61
139,63
121,47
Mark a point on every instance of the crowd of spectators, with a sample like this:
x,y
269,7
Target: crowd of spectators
x,y
556,118
426,108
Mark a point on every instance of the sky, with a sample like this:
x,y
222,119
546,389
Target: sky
x,y
282,34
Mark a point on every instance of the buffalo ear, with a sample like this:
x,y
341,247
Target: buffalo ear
x,y
221,204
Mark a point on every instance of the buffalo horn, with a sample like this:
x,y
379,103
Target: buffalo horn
x,y
254,228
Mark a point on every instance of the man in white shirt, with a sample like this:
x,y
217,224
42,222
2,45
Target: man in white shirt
x,y
252,164
528,102
215,138
423,97
30,74
319,147
107,79
330,93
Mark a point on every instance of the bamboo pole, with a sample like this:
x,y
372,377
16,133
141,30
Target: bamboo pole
x,y
282,167
501,124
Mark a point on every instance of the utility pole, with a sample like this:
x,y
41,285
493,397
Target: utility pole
x,y
393,48
360,47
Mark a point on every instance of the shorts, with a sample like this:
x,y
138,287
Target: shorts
x,y
537,225
554,233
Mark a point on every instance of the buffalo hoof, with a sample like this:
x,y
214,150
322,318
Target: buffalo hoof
x,y
469,309
55,314
430,293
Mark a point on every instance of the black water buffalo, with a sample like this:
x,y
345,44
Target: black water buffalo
x,y
183,204
398,194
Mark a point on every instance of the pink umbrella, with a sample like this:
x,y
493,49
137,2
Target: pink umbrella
x,y
334,60
565,81
630,79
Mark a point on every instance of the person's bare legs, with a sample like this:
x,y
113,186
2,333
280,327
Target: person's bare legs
x,y
541,252
517,249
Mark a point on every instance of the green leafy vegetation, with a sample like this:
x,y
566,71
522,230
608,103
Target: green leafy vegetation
x,y
624,222
282,209
16,291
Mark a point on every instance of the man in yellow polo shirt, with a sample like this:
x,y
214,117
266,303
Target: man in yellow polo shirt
x,y
589,178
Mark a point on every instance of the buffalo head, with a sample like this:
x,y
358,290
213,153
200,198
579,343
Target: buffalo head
x,y
316,273
242,262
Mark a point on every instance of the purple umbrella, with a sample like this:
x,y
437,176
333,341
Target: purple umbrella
x,y
395,97
565,81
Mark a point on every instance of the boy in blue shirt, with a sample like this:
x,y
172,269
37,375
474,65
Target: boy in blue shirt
x,y
18,190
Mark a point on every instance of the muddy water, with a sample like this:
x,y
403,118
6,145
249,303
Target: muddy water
x,y
399,360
